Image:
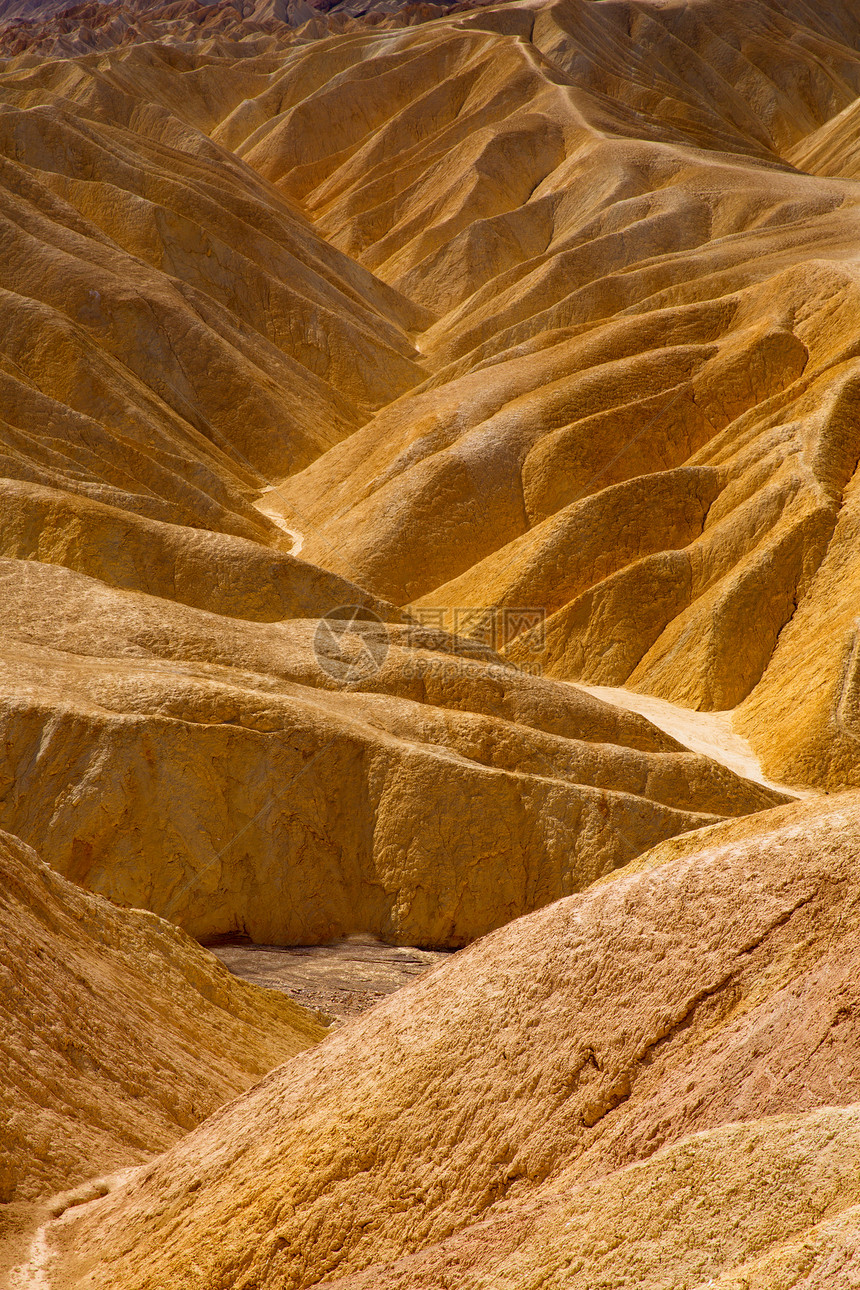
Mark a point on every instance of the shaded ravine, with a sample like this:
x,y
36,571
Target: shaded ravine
x,y
339,980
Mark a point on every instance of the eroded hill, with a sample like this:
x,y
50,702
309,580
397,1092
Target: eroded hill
x,y
521,339
119,1033
210,768
627,1088
524,307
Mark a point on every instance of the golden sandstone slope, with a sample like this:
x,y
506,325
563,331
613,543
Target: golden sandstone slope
x,y
606,303
184,339
210,769
541,306
641,411
119,1034
652,1083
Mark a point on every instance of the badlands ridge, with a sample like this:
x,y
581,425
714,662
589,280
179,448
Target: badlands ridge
x,y
522,340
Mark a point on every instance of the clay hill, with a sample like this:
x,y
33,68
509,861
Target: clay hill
x,y
653,1083
428,513
56,28
119,1033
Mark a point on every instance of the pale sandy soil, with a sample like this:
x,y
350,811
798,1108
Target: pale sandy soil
x,y
710,733
272,505
339,980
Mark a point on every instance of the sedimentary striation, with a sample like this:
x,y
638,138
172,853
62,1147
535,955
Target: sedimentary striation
x,y
640,413
540,305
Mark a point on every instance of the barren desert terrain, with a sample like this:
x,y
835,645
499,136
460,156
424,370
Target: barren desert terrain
x,y
430,647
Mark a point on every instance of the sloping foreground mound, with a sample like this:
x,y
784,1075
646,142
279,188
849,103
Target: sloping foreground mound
x,y
648,1084
232,776
119,1034
766,1205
